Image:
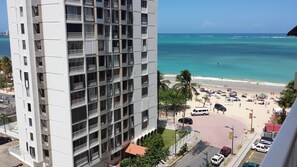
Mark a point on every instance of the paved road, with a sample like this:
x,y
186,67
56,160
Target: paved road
x,y
196,156
212,128
253,156
7,160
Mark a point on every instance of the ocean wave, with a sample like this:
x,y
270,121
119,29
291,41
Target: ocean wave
x,y
231,80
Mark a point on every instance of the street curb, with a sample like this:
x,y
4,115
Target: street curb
x,y
192,146
245,151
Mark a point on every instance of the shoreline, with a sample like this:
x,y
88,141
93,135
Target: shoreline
x,y
240,85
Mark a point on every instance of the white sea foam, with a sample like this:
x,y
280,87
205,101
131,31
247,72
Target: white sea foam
x,y
231,80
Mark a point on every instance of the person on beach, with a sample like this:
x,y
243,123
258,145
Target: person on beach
x,y
239,104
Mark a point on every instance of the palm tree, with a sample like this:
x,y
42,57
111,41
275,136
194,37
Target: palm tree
x,y
4,118
162,85
185,86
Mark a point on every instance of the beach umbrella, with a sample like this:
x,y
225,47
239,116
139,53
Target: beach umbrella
x,y
262,96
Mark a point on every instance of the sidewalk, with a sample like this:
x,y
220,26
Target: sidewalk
x,y
196,138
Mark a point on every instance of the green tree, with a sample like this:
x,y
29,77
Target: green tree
x,y
184,86
162,85
4,119
6,68
287,98
170,98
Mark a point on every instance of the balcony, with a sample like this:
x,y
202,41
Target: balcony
x,y
75,52
80,147
93,127
78,85
129,7
89,2
73,1
90,35
89,18
92,83
73,17
91,67
93,113
95,155
74,35
81,162
78,102
76,69
99,3
93,141
281,154
116,49
79,133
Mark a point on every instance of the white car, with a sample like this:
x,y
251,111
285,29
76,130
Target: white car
x,y
260,147
200,111
217,159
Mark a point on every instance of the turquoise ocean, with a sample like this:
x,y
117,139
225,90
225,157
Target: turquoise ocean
x,y
249,57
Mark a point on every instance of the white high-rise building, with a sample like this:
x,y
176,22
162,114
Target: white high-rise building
x,y
85,78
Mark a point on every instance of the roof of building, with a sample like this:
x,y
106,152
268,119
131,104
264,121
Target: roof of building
x,y
272,127
135,149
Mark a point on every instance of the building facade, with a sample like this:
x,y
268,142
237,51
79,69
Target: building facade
x,y
85,78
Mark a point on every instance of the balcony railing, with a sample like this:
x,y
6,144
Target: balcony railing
x,y
93,141
79,132
281,154
74,34
93,112
92,83
75,52
89,2
92,127
95,155
76,69
78,85
80,147
90,34
81,161
89,18
73,1
91,67
73,17
77,102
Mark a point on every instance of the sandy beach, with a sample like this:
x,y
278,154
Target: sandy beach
x,y
237,109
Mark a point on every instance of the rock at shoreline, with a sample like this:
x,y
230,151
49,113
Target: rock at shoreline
x,y
293,32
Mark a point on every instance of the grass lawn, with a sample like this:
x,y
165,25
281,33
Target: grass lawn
x,y
168,136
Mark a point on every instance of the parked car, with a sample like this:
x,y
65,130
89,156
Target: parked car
x,y
200,111
266,139
217,159
4,140
265,143
185,120
250,164
225,151
260,147
220,107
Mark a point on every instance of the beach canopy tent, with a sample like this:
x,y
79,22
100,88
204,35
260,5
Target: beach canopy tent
x,y
293,32
261,96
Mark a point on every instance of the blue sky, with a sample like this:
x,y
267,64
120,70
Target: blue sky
x,y
214,16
